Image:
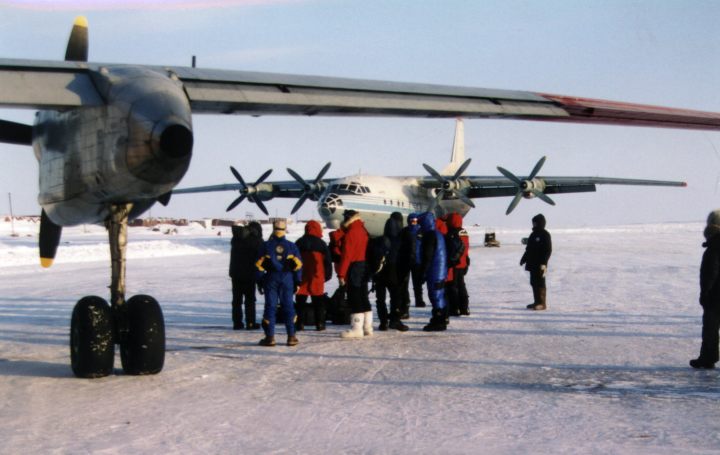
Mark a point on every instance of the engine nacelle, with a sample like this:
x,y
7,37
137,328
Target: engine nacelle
x,y
529,187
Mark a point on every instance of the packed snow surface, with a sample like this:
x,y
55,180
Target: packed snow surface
x,y
603,370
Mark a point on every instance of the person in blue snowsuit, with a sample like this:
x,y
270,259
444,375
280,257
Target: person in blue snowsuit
x,y
279,269
433,267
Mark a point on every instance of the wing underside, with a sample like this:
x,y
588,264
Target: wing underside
x,y
64,85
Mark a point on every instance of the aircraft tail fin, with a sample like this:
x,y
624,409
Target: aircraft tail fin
x,y
457,157
77,48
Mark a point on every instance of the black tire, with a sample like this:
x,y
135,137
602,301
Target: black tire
x,y
143,351
92,348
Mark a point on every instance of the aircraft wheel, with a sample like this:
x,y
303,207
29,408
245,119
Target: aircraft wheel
x,y
92,349
143,351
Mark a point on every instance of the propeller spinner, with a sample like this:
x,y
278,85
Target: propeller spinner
x,y
248,191
310,190
530,187
450,185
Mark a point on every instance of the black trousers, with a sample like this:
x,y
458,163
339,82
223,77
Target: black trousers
x,y
243,293
417,282
382,289
710,338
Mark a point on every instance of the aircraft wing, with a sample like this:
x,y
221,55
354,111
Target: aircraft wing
x,y
60,85
481,187
265,190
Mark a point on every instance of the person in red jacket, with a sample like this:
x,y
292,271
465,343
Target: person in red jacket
x,y
352,275
317,269
457,291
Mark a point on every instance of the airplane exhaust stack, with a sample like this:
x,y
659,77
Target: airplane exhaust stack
x,y
176,141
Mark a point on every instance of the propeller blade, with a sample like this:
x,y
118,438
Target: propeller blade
x,y
263,177
464,198
260,204
238,176
510,176
462,168
544,197
299,204
514,203
322,172
537,167
235,203
297,177
434,173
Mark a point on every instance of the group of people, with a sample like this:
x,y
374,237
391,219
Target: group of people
x,y
427,251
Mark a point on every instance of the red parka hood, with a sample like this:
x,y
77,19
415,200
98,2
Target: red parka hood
x,y
313,228
454,221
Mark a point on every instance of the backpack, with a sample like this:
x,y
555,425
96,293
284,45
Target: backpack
x,y
376,253
454,247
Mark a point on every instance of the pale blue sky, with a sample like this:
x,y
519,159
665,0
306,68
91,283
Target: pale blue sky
x,y
653,52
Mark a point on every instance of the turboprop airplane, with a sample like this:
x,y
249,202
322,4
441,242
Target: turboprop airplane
x,y
113,139
376,197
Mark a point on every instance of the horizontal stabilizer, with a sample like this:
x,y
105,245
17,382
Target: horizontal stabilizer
x,y
15,133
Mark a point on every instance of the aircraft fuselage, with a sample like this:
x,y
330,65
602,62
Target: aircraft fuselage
x,y
376,197
133,148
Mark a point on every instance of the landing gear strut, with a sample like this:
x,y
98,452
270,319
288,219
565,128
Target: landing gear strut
x,y
136,325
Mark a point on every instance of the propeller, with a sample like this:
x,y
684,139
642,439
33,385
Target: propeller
x,y
248,191
450,185
310,190
529,187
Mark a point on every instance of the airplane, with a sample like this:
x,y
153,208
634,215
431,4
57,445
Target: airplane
x,y
375,197
111,140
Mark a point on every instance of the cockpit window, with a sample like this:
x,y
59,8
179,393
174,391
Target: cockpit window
x,y
348,188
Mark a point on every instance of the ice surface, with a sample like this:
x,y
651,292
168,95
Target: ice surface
x,y
603,370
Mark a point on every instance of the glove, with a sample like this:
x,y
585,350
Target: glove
x,y
266,264
372,287
543,270
522,261
260,289
341,282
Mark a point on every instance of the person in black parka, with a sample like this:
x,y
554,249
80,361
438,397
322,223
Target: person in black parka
x,y
387,281
536,257
710,294
245,250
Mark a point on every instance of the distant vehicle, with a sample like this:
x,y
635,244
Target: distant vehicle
x,y
490,240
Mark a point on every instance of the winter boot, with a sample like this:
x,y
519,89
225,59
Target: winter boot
x,y
437,322
367,324
383,325
267,341
541,305
356,326
701,364
320,314
536,298
292,340
299,317
396,323
399,326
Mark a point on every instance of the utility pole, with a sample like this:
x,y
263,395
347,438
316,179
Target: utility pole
x,y
12,217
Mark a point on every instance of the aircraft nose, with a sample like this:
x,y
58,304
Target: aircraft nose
x,y
176,141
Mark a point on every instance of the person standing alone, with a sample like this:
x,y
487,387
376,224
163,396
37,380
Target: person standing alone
x,y
536,257
710,294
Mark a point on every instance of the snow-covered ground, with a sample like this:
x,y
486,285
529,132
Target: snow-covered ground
x,y
603,370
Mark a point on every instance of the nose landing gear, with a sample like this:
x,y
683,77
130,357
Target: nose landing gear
x,y
136,325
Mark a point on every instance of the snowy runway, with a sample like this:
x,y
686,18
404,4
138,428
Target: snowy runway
x,y
603,370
